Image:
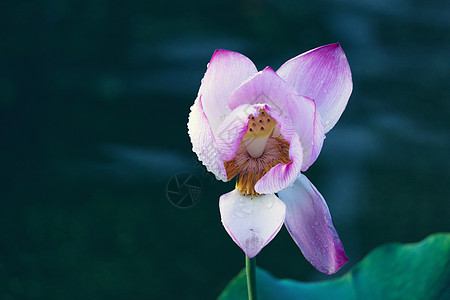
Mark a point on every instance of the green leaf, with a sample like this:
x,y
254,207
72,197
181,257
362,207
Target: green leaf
x,y
395,271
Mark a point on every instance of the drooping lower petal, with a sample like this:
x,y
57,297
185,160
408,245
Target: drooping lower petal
x,y
308,221
226,71
251,222
203,141
322,74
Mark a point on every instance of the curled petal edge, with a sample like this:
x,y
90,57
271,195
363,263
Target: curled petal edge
x,y
203,141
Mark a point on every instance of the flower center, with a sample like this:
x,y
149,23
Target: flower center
x,y
258,131
261,125
259,151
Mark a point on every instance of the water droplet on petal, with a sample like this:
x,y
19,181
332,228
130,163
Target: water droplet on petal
x,y
238,214
247,210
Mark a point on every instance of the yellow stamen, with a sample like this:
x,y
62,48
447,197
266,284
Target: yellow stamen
x,y
247,177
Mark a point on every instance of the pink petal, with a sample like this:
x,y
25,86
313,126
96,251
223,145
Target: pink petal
x,y
203,142
233,128
309,127
318,137
263,87
268,88
226,71
322,74
309,222
282,175
251,222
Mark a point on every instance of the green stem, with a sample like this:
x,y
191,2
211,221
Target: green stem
x,y
250,269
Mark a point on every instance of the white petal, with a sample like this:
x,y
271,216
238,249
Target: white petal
x,y
203,141
251,222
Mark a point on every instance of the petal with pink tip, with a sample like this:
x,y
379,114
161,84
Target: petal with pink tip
x,y
203,141
251,222
309,127
226,71
233,128
267,87
322,74
308,221
282,175
264,87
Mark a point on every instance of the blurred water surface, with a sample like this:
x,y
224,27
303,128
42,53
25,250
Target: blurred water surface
x,y
94,99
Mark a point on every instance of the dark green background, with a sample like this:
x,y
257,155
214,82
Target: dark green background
x,y
94,99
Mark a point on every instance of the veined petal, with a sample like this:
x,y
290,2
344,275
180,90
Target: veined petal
x,y
322,74
263,87
233,128
282,175
268,88
203,141
226,71
309,223
318,136
251,222
309,127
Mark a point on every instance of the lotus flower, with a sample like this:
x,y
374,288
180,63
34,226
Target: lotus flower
x,y
265,128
